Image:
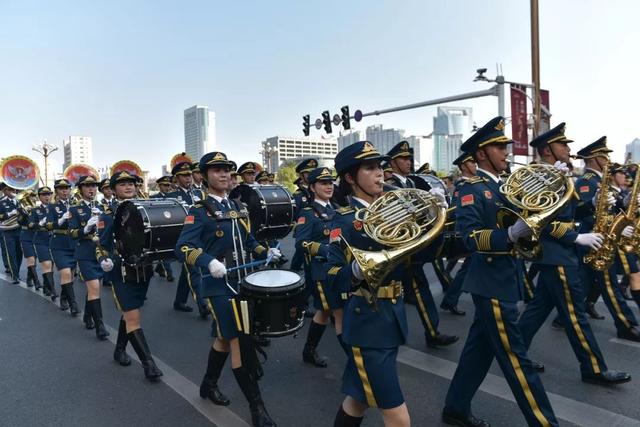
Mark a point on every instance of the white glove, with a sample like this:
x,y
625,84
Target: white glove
x,y
106,265
217,269
628,231
611,200
357,272
42,222
95,211
12,213
91,224
274,253
590,240
561,166
65,216
439,193
518,230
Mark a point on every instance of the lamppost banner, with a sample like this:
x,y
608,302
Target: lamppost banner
x,y
519,120
545,120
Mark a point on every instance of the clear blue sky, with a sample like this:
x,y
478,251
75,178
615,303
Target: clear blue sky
x,y
122,72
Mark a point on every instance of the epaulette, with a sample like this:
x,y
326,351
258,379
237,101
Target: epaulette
x,y
198,204
588,175
475,180
307,208
345,210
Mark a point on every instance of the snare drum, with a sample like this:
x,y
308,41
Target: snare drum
x,y
148,230
275,298
270,207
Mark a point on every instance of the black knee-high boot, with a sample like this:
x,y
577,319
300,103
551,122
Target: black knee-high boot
x,y
636,296
46,288
209,386
345,420
29,277
87,318
34,277
310,354
139,344
96,314
64,305
52,286
120,353
70,297
249,386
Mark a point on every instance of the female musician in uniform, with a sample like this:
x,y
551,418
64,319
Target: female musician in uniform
x,y
373,336
41,236
215,236
129,291
312,239
83,220
26,239
61,245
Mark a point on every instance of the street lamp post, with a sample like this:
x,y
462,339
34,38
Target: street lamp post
x,y
45,149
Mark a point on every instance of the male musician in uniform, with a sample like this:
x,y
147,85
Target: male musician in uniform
x,y
559,283
467,166
130,284
604,283
416,284
494,285
5,260
197,177
11,234
247,172
107,193
262,177
425,169
214,235
163,268
190,278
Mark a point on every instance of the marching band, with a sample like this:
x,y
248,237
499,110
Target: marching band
x,y
537,234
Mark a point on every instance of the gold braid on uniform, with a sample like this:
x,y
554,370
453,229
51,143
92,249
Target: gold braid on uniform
x,y
559,228
311,247
191,254
483,239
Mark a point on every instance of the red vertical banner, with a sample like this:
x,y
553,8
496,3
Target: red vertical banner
x,y
519,120
545,119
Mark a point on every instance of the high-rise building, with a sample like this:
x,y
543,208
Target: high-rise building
x,y
349,138
451,127
422,149
384,139
77,149
199,131
632,151
277,149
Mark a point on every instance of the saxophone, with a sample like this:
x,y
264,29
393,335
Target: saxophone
x,y
602,258
632,244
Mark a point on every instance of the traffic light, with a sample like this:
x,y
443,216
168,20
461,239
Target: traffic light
x,y
326,120
306,123
346,123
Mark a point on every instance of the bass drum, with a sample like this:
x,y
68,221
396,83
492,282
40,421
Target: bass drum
x,y
270,207
427,182
274,298
148,230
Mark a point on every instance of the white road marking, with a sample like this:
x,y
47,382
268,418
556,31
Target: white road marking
x,y
625,342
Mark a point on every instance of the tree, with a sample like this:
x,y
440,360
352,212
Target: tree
x,y
287,176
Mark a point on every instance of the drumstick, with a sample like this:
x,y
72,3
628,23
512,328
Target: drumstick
x,y
271,256
244,309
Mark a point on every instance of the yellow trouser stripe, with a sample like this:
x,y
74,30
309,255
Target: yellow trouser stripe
x,y
6,251
115,298
574,320
515,363
614,301
323,298
188,274
527,284
357,356
624,261
235,313
423,310
215,318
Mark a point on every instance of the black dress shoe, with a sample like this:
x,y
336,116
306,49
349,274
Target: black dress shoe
x,y
453,309
537,366
631,334
609,377
592,312
204,313
182,307
556,324
16,281
458,419
170,279
441,340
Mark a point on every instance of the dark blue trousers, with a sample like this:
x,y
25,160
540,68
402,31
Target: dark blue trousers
x,y
190,281
560,287
495,333
13,251
452,294
425,304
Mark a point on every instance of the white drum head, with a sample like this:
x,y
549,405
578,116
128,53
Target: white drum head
x,y
272,278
